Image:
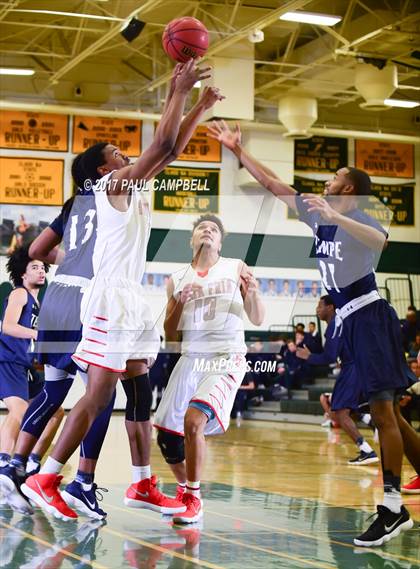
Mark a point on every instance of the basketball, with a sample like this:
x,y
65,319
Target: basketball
x,y
185,38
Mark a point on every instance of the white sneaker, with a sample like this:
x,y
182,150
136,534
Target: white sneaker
x,y
327,424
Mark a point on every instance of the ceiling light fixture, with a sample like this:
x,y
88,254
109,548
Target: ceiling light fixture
x,y
311,18
16,71
69,14
401,103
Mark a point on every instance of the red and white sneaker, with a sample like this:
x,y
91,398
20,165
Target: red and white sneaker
x,y
193,512
180,491
412,487
43,490
145,494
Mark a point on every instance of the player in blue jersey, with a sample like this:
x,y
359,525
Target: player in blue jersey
x,y
59,330
347,243
348,389
19,381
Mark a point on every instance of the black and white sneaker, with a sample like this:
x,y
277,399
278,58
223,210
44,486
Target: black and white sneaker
x,y
386,526
364,458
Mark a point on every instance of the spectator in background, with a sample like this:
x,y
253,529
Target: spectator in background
x,y
300,327
300,293
313,339
299,339
414,347
285,292
409,327
241,400
272,288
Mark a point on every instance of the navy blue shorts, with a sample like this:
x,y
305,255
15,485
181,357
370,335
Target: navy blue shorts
x,y
36,383
59,327
14,380
372,335
348,390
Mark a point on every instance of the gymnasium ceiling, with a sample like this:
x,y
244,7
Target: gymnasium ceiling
x,y
69,52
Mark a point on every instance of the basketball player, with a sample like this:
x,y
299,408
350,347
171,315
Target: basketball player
x,y
118,333
205,303
346,241
19,381
348,388
59,331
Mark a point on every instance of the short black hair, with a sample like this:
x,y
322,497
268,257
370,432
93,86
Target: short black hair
x,y
17,263
328,300
360,181
300,324
312,322
214,219
85,165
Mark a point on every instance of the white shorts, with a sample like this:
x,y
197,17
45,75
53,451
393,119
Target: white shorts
x,y
217,389
117,326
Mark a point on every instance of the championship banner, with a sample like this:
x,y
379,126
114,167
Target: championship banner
x,y
305,186
386,159
320,154
201,148
33,131
399,199
123,133
31,181
186,190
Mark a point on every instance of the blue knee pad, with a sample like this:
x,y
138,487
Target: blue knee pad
x,y
92,443
45,405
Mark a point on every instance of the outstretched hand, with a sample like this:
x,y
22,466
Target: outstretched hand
x,y
320,205
209,96
189,74
220,131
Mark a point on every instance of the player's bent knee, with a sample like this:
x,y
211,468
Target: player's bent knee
x,y
139,398
171,446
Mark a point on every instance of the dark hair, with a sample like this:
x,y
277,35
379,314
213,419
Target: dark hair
x,y
312,322
85,165
300,324
328,300
360,181
17,263
214,219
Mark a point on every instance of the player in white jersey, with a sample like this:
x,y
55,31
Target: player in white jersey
x,y
206,302
117,325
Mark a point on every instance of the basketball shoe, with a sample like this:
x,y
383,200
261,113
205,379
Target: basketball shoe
x,y
43,490
145,494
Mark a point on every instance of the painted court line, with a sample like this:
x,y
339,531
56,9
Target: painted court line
x,y
58,549
161,549
300,560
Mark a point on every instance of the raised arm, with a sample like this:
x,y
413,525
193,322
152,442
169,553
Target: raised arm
x,y
17,300
266,177
162,148
45,247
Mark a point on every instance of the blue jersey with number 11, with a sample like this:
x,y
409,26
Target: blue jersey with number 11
x,y
345,263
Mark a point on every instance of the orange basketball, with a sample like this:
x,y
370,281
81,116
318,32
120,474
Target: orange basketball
x,y
185,38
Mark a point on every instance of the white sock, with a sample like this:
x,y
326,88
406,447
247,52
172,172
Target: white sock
x,y
140,473
365,447
51,466
193,488
393,501
31,465
366,418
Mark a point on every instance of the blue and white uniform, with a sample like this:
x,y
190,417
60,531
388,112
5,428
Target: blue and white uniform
x,y
370,327
60,328
16,356
348,390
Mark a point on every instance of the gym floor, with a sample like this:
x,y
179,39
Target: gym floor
x,y
276,495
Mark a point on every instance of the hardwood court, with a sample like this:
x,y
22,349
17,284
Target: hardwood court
x,y
276,495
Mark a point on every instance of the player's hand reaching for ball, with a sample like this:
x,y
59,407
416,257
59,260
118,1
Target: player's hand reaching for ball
x,y
320,205
220,131
209,96
189,74
175,74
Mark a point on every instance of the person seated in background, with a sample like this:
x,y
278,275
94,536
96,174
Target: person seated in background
x,y
300,327
290,374
414,347
242,397
409,327
410,400
313,339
